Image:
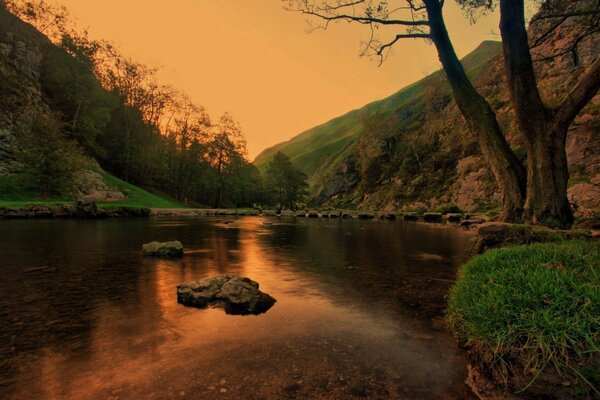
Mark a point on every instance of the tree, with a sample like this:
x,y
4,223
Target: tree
x,y
227,153
539,195
48,156
287,183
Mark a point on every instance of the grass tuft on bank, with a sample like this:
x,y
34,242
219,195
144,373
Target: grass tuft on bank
x,y
530,316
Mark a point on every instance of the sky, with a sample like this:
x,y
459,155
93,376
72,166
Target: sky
x,y
258,62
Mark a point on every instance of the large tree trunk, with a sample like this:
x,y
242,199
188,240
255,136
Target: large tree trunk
x,y
544,129
547,178
506,168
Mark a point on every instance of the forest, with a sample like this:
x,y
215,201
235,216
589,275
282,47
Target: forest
x,y
108,107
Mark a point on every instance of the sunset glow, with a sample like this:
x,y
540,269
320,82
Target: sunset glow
x,y
258,62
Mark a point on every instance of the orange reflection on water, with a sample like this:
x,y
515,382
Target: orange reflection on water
x,y
324,338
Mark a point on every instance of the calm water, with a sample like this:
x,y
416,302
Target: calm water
x,y
358,312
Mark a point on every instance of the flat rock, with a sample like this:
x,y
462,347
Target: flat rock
x,y
164,249
432,217
410,216
236,295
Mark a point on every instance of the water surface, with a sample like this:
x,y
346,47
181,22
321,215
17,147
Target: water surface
x,y
358,314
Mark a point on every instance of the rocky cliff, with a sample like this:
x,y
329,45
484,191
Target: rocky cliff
x,y
25,54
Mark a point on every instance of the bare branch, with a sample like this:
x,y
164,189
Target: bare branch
x,y
366,20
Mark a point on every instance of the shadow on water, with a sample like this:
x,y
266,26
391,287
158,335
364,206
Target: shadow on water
x,y
358,313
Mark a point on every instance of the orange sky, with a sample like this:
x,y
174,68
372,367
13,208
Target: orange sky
x,y
256,60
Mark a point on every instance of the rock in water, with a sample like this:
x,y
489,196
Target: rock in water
x,y
165,249
236,295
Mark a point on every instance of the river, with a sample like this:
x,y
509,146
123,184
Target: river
x,y
359,310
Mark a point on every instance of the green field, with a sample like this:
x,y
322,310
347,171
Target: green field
x,y
312,148
18,190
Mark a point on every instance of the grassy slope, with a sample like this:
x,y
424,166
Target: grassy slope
x,y
17,190
310,148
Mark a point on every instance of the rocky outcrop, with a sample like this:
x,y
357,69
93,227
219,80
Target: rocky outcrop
x,y
89,186
20,71
163,249
236,295
585,197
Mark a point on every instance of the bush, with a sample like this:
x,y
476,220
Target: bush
x,y
530,317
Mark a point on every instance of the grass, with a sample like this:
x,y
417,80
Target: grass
x,y
136,197
533,311
19,190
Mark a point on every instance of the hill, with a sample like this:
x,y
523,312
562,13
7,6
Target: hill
x,y
413,151
310,149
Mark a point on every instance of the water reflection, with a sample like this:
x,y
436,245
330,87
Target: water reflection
x,y
358,311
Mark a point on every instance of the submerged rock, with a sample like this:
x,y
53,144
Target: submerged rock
x,y
165,249
236,295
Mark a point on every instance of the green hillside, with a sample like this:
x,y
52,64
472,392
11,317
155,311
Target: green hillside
x,y
20,190
310,149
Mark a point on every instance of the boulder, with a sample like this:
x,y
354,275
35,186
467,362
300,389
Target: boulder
x,y
164,249
432,217
453,217
236,295
312,214
410,216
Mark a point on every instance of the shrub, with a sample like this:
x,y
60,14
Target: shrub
x,y
530,316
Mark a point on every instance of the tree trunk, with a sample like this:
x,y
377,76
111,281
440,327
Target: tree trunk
x,y
544,129
547,179
506,168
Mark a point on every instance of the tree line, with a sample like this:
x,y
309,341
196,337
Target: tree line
x,y
139,129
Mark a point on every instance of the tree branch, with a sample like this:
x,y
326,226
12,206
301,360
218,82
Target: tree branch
x,y
365,20
583,92
403,36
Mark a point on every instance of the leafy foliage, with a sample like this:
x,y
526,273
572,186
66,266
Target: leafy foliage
x,y
286,184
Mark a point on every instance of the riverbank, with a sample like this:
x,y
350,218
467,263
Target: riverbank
x,y
528,318
78,210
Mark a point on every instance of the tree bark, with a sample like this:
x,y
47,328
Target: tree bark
x,y
544,130
547,178
506,168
